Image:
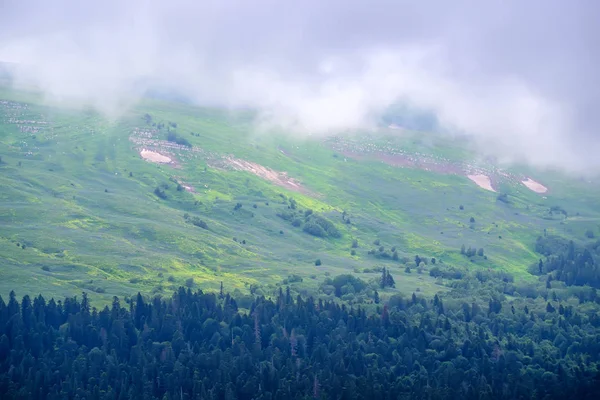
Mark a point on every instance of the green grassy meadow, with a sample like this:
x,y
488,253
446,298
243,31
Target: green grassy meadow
x,y
78,210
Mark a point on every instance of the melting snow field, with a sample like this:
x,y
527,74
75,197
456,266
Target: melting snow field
x,y
154,157
535,186
483,181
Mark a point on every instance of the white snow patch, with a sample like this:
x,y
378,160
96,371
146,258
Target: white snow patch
x,y
155,157
534,186
483,181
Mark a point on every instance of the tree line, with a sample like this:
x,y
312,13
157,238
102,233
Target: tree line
x,y
197,345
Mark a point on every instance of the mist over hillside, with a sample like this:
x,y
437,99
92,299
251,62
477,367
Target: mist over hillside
x,y
517,77
299,200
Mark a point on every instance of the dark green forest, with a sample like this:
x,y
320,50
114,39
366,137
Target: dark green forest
x,y
487,338
197,346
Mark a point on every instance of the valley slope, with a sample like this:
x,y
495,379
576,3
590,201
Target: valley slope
x,y
169,194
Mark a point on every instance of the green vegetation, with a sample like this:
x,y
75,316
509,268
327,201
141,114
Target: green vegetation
x,y
350,276
480,344
82,210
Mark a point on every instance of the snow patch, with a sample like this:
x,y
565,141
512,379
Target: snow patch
x,y
483,181
534,186
155,157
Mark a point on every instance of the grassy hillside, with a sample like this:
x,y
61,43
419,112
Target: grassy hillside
x,y
81,210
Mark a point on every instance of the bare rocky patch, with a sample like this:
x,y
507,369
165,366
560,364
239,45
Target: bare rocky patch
x,y
162,151
278,178
486,175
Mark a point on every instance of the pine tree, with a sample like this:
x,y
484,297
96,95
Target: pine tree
x,y
293,344
389,280
139,310
383,280
385,316
257,336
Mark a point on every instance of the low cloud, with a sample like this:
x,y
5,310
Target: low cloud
x,y
519,77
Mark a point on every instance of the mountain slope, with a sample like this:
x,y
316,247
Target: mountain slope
x,y
82,209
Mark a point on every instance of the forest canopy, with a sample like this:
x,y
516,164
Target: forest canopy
x,y
196,345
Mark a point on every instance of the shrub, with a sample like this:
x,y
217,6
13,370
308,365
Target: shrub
x,y
46,268
198,222
503,198
558,210
376,242
318,262
347,283
175,138
189,282
326,225
314,229
160,193
286,215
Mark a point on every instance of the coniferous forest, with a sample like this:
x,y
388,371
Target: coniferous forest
x,y
196,345
299,200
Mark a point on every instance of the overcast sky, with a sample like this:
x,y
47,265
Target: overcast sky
x,y
521,76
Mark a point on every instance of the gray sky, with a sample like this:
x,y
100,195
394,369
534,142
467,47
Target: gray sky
x,y
521,76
